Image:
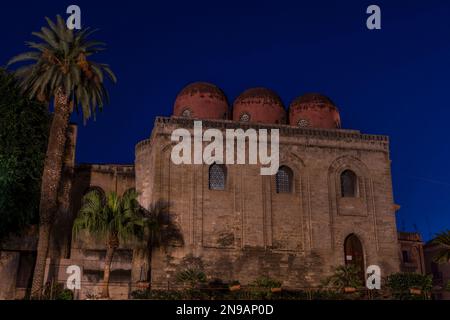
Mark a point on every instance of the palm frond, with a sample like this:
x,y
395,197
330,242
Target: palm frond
x,y
26,56
116,216
60,62
111,74
443,241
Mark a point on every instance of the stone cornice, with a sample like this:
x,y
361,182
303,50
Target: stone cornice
x,y
109,168
285,130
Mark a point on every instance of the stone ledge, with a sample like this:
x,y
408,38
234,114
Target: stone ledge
x,y
284,129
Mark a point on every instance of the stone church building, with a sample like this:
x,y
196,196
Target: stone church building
x,y
330,203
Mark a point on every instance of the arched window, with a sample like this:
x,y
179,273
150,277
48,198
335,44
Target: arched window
x,y
303,123
348,184
187,113
217,176
354,254
283,180
245,117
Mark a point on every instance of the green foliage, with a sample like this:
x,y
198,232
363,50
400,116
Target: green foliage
x,y
443,240
192,277
246,294
24,126
66,294
115,215
170,294
345,276
56,291
401,284
266,282
156,295
59,62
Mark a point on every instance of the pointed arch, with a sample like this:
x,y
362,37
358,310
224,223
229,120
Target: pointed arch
x,y
349,184
354,253
284,180
217,177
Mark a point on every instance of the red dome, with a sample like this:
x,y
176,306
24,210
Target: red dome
x,y
201,100
314,110
259,105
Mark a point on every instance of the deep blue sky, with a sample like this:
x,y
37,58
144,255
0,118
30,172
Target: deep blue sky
x,y
394,81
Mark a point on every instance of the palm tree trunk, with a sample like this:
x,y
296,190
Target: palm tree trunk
x,y
41,259
107,271
49,186
113,243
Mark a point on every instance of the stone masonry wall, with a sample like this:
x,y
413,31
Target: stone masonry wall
x,y
249,230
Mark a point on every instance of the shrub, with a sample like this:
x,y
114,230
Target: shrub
x,y
66,294
157,295
266,282
56,291
345,276
400,285
140,294
192,277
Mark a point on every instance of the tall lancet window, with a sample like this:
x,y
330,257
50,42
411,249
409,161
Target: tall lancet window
x,y
348,184
217,176
283,180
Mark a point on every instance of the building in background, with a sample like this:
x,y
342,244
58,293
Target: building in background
x,y
439,271
411,252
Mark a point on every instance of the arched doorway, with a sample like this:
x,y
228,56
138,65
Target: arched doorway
x,y
354,254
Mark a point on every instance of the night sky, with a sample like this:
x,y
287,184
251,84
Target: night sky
x,y
393,81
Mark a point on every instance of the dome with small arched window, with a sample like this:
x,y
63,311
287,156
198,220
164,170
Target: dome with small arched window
x,y
201,100
314,110
259,105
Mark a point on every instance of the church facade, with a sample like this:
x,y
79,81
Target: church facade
x,y
330,203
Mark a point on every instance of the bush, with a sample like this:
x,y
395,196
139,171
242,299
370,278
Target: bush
x,y
345,276
157,295
252,293
188,294
56,291
66,294
400,285
267,282
192,277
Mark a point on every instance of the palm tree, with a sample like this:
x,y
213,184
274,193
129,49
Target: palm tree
x,y
443,240
60,70
114,219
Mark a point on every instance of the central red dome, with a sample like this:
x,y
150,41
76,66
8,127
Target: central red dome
x,y
201,100
259,105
